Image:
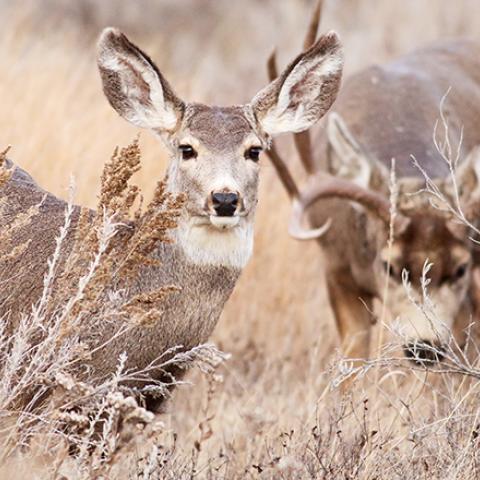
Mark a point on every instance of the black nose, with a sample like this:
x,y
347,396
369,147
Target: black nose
x,y
224,204
424,352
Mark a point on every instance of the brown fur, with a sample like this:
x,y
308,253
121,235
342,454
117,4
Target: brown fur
x,y
210,249
391,111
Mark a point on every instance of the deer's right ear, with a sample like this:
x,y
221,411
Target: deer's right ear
x,y
346,158
304,92
134,86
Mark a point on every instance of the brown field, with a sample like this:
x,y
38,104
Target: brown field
x,y
275,414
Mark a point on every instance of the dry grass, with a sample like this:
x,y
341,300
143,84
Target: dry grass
x,y
274,415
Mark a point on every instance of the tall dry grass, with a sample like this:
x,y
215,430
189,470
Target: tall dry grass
x,y
274,415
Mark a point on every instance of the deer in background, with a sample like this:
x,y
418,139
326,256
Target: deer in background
x,y
385,112
214,159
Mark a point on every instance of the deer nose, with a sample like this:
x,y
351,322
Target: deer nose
x,y
224,203
424,352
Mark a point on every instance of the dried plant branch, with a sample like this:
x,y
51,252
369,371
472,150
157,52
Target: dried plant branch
x,y
451,155
43,390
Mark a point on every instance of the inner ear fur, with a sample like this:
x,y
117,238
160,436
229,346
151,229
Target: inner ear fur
x,y
468,174
467,182
349,160
133,84
304,91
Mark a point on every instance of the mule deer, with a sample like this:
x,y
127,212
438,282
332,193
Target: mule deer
x,y
384,112
214,155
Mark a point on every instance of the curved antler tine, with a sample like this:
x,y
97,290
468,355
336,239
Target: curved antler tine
x,y
283,172
312,31
297,231
278,163
272,66
331,187
304,148
302,139
340,188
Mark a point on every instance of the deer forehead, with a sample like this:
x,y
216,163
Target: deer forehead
x,y
428,237
218,129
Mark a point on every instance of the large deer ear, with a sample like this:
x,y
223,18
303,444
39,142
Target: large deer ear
x,y
302,94
134,86
467,177
467,184
348,159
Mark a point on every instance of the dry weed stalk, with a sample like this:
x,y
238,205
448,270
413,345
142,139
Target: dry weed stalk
x,y
43,391
5,173
447,439
451,155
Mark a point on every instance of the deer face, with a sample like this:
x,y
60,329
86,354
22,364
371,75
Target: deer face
x,y
215,151
215,160
428,270
428,267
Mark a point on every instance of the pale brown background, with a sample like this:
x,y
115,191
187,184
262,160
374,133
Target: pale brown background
x,y
278,325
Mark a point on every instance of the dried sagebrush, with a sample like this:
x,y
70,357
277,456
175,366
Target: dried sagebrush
x,y
43,392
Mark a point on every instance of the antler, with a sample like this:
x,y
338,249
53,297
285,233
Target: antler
x,y
302,143
280,166
322,186
328,186
302,139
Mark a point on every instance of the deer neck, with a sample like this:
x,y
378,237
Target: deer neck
x,y
202,279
204,285
186,317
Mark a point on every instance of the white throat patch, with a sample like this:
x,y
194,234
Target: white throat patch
x,y
207,245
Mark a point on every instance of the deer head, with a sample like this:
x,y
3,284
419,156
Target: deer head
x,y
215,151
429,262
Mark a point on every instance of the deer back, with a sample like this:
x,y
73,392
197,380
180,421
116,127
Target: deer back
x,y
34,218
391,109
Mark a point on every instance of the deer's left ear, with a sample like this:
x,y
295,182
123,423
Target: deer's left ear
x,y
304,92
134,85
467,177
348,159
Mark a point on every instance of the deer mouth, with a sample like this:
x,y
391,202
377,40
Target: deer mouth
x,y
224,223
215,221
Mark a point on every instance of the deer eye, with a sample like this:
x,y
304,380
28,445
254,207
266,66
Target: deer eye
x,y
460,271
187,151
253,153
389,269
457,274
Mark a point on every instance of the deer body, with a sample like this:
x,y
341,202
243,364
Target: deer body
x,y
204,288
214,154
385,112
188,316
391,111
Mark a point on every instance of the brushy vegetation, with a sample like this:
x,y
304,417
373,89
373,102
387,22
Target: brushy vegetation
x,y
45,395
274,409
